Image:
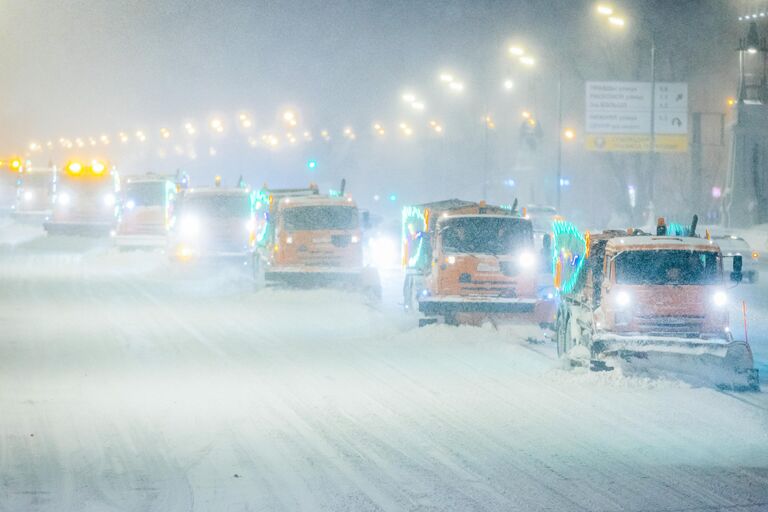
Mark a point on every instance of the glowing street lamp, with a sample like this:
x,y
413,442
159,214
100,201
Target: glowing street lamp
x,y
508,84
604,10
189,128
217,125
517,51
616,21
527,60
569,134
140,136
245,121
165,133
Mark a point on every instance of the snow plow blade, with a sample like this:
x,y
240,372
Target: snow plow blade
x,y
365,280
78,229
725,364
450,305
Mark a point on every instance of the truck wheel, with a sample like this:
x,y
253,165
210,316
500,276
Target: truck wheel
x,y
560,335
409,294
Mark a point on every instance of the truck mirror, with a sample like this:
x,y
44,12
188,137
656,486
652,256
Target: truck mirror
x,y
546,242
736,275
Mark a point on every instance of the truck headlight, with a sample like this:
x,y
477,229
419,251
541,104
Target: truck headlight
x,y
526,259
189,226
720,299
623,299
355,239
28,195
64,199
250,225
130,204
109,199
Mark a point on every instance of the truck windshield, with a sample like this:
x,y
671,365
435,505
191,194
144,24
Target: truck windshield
x,y
314,218
485,235
146,193
218,206
667,267
37,179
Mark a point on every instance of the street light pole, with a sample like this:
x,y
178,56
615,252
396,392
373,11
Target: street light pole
x,y
652,138
558,181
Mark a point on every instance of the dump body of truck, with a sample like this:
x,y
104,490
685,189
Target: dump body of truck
x,y
651,298
468,261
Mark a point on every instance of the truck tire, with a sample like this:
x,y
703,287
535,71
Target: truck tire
x,y
409,294
560,334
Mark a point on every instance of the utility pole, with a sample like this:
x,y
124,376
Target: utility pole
x,y
652,134
558,180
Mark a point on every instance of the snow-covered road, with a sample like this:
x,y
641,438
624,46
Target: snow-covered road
x,y
127,386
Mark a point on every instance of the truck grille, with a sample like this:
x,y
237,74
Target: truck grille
x,y
674,325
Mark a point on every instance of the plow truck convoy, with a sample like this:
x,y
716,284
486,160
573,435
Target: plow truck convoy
x,y
468,262
85,199
648,302
310,239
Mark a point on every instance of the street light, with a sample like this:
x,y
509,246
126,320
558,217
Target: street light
x,y
616,21
527,60
517,51
569,134
619,21
508,84
605,10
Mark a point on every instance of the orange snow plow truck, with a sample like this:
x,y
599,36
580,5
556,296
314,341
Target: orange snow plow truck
x,y
467,262
310,239
648,302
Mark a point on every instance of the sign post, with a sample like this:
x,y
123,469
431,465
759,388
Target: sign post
x,y
618,117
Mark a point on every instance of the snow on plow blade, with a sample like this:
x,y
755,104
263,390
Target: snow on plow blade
x,y
450,305
725,364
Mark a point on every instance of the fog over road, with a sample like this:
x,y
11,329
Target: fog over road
x,y
125,385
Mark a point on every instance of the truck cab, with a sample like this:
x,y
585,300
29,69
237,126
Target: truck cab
x,y
147,208
469,261
213,223
315,239
85,199
658,301
34,193
663,286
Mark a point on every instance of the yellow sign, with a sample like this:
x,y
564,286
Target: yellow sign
x,y
621,143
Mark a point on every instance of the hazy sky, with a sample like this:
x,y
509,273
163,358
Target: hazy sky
x,y
82,67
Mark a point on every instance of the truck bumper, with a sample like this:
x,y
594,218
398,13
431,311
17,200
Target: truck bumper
x,y
140,241
79,228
